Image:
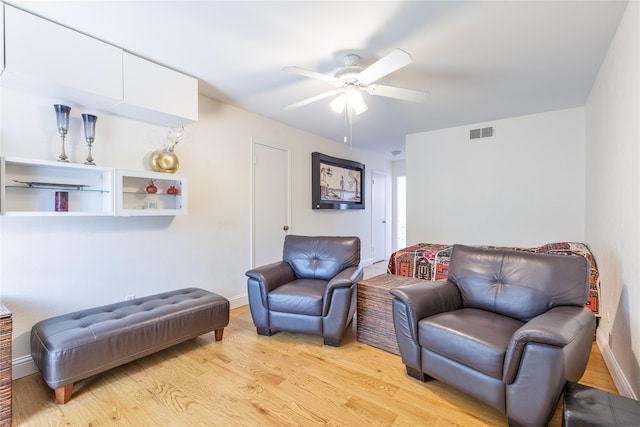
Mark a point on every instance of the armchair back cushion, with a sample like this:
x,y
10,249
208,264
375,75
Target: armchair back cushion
x,y
520,285
321,257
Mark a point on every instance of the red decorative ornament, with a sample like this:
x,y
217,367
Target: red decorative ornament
x,y
172,190
151,188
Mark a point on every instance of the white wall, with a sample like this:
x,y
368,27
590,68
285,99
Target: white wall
x,y
613,199
50,266
523,187
399,170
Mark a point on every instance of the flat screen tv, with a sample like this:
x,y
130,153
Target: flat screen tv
x,y
336,183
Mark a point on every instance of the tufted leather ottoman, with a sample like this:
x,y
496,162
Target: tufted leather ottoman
x,y
75,346
587,406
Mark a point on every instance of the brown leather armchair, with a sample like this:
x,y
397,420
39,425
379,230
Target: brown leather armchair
x,y
312,290
507,327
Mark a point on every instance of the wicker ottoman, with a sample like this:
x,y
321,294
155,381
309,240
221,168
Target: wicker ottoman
x,y
374,324
75,346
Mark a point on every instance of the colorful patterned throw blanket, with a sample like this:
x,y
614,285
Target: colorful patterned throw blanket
x,y
430,261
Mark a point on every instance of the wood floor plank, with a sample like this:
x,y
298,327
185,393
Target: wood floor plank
x,y
249,380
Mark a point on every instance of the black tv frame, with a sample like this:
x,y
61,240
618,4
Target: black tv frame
x,y
324,197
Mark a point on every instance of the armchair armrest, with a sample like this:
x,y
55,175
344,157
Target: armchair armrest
x,y
426,299
344,279
414,302
270,276
560,326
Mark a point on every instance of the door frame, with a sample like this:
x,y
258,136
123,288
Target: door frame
x,y
252,160
379,173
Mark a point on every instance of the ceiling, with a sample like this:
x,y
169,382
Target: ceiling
x,y
479,60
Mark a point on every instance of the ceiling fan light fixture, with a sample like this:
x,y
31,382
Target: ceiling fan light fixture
x,y
339,103
355,101
352,98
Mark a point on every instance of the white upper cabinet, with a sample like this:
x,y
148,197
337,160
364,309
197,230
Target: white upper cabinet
x,y
153,92
48,59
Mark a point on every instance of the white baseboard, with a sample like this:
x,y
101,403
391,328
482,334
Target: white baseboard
x,y
238,301
22,367
622,383
366,262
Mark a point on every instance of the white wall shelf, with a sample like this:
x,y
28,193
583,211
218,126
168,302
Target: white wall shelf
x,y
28,188
132,199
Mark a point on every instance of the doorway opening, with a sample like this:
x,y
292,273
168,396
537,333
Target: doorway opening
x,y
401,211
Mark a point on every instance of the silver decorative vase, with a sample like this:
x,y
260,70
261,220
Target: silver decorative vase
x,y
89,134
62,117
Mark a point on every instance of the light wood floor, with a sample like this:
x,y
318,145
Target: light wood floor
x,y
251,380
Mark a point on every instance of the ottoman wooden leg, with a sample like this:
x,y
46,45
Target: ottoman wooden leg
x,y
63,394
219,334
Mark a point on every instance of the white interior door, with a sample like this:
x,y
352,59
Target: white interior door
x,y
271,202
378,216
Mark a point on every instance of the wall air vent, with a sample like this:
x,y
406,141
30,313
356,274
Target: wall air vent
x,y
481,133
487,132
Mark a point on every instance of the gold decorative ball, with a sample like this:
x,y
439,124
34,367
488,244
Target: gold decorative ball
x,y
164,161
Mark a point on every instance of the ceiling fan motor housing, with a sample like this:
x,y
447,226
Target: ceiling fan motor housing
x,y
349,74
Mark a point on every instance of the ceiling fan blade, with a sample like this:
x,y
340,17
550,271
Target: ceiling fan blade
x,y
385,65
312,99
312,74
398,93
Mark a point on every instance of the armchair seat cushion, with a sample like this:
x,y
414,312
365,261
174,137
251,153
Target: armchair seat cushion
x,y
302,296
473,337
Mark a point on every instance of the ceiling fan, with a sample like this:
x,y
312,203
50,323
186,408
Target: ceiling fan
x,y
349,81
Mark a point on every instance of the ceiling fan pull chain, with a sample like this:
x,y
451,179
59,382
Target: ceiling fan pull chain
x,y
351,128
346,112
